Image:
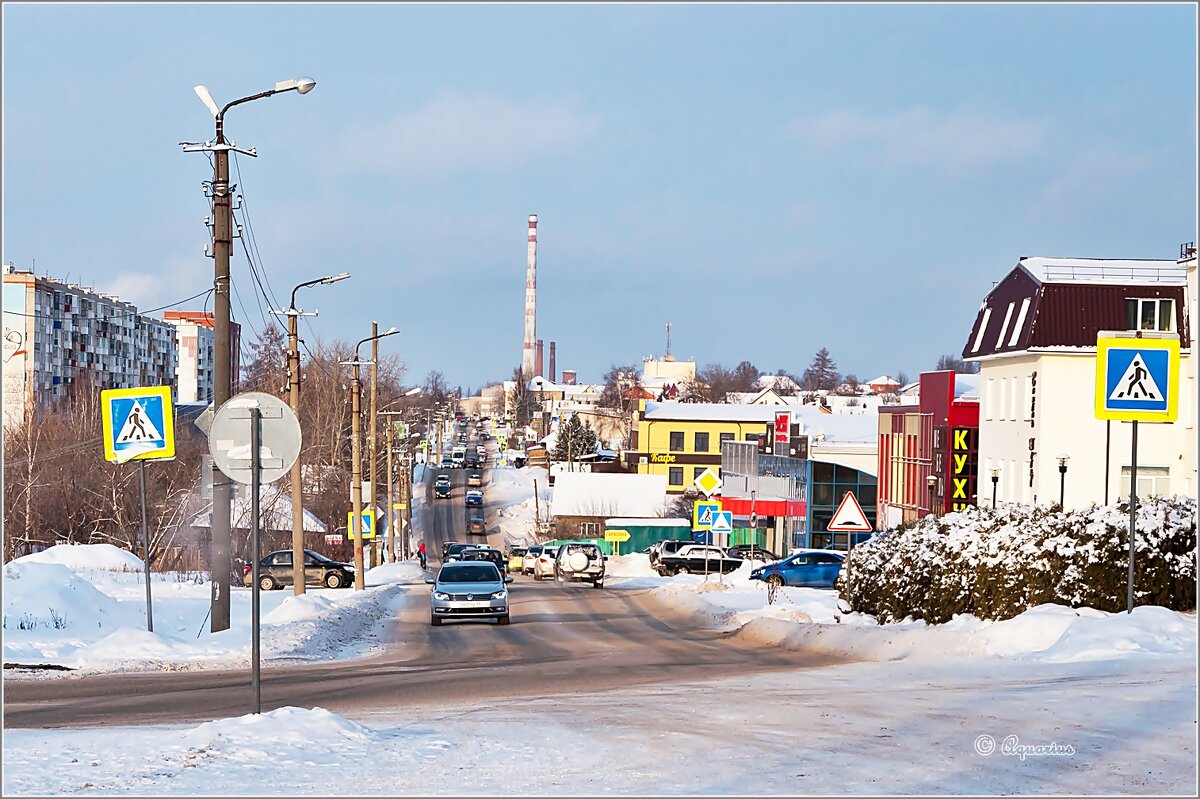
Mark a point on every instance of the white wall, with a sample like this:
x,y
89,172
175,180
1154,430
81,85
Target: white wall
x,y
1065,423
863,457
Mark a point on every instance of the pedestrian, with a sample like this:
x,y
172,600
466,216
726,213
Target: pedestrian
x,y
421,554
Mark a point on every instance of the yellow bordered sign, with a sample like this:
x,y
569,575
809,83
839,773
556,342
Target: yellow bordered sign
x,y
1137,377
139,423
368,524
703,512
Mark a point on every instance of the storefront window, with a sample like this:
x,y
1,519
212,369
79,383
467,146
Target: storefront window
x,y
830,484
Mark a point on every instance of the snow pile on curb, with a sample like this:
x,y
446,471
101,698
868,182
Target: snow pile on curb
x,y
814,620
510,492
77,557
407,572
49,595
284,727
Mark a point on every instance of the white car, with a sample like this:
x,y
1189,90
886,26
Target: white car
x,y
543,567
530,557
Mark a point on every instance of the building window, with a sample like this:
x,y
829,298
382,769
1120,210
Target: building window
x,y
702,442
589,529
726,437
675,475
989,399
1150,314
697,471
1153,481
676,442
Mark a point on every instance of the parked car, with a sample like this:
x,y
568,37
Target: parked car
x,y
516,559
531,556
275,571
660,548
474,480
468,589
474,498
697,559
580,562
752,552
543,567
490,554
815,568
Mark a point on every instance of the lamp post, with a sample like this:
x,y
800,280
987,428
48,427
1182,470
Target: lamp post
x,y
293,315
995,481
1062,479
931,481
222,245
356,531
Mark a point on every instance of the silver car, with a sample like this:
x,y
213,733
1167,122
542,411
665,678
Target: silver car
x,y
468,589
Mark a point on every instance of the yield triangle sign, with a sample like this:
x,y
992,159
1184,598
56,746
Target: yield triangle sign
x,y
138,426
1137,383
849,517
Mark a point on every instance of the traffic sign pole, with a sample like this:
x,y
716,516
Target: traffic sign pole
x,y
1132,518
146,548
255,477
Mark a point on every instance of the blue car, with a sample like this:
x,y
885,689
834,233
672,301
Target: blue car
x,y
812,568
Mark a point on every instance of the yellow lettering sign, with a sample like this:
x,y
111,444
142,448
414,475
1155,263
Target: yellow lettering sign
x,y
960,488
960,438
656,458
960,463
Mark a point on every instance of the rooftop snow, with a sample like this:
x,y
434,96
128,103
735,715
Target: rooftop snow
x,y
602,494
710,412
1105,270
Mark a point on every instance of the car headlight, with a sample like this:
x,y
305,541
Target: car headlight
x,y
441,596
500,595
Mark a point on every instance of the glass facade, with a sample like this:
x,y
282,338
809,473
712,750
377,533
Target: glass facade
x,y
828,484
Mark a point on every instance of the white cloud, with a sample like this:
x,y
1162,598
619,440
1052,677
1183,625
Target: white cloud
x,y
143,289
954,142
457,133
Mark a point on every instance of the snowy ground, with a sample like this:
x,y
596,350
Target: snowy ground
x,y
1054,701
84,607
511,500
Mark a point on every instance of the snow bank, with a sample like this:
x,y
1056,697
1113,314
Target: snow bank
x,y
406,572
817,621
634,565
86,556
49,595
510,498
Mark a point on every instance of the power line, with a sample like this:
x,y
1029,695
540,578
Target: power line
x,y
122,314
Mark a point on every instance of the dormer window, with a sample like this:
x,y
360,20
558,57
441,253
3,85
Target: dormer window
x,y
1152,314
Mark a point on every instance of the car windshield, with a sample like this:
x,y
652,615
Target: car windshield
x,y
469,573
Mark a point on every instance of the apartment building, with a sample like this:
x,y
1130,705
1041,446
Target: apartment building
x,y
194,334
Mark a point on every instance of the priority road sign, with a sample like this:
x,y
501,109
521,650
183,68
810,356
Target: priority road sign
x,y
368,524
702,514
708,482
722,521
139,423
1137,377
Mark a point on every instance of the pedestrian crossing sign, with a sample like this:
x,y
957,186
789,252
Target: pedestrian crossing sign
x,y
368,524
1137,377
139,423
702,514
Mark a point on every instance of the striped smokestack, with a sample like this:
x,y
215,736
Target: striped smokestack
x,y
527,354
552,362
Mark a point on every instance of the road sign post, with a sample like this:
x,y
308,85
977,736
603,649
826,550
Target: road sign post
x,y
1137,380
139,424
615,537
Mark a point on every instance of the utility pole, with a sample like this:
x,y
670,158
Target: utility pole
x,y
356,531
371,433
406,528
221,192
391,501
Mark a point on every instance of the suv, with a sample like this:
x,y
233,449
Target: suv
x,y
453,551
657,550
474,497
476,524
441,488
529,558
752,552
580,562
543,566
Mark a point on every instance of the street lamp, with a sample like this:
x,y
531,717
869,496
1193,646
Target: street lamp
x,y
995,481
1062,479
293,316
931,481
360,578
222,241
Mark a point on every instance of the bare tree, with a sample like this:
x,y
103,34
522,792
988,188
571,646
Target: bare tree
x,y
953,363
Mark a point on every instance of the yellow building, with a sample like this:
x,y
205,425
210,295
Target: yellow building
x,y
682,439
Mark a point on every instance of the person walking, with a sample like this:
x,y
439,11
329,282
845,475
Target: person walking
x,y
421,554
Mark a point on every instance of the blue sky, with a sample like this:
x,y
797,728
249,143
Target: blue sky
x,y
769,179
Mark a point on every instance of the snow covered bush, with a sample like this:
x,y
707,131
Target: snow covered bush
x,y
994,564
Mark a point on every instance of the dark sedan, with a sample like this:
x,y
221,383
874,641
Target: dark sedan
x,y
275,571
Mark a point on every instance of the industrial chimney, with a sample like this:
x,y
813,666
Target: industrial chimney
x,y
568,377
539,358
552,380
527,364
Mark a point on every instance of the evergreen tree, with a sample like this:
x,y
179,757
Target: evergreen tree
x,y
575,438
822,373
266,370
521,400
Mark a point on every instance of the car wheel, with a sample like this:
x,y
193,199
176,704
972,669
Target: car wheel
x,y
434,621
775,581
683,570
333,580
598,584
502,619
267,583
